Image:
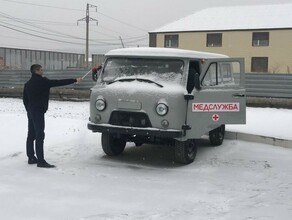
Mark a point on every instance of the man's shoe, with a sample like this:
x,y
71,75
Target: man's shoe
x,y
45,165
32,160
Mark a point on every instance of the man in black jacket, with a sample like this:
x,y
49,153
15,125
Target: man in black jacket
x,y
36,100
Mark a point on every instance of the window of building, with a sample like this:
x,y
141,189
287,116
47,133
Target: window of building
x,y
152,40
171,41
260,39
214,40
259,64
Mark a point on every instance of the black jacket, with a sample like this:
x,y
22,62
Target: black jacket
x,y
37,90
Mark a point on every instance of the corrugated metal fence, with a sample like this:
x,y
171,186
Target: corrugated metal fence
x,y
257,84
18,78
269,85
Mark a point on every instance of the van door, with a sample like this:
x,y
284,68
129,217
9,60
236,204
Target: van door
x,y
221,99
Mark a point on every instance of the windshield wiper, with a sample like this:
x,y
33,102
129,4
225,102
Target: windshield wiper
x,y
121,80
149,81
132,79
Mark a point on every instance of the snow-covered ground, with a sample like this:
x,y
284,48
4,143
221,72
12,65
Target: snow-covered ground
x,y
238,180
268,122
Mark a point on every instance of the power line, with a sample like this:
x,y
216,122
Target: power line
x,y
98,42
57,40
72,9
28,39
39,5
30,21
114,38
45,22
51,32
36,26
38,31
130,25
110,30
35,35
137,40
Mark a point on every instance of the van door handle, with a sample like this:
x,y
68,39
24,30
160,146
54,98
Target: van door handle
x,y
238,95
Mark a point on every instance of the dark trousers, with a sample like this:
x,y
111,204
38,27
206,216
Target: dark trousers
x,y
36,127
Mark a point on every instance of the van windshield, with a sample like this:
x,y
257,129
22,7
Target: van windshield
x,y
157,70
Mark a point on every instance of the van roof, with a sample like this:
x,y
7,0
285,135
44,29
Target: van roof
x,y
162,52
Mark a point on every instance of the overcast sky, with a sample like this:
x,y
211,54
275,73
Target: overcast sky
x,y
52,24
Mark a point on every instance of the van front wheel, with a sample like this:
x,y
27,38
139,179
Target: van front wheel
x,y
112,146
216,136
185,151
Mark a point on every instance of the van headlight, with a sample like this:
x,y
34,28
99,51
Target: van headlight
x,y
161,109
100,104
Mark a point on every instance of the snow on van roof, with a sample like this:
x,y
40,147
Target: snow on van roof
x,y
162,52
234,18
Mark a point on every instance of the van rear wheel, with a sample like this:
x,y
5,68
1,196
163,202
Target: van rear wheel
x,y
185,151
216,136
111,145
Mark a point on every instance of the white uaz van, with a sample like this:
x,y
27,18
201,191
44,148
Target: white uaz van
x,y
166,96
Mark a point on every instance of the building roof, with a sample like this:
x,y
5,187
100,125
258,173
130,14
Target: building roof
x,y
277,16
162,52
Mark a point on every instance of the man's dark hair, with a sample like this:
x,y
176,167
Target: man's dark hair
x,y
35,67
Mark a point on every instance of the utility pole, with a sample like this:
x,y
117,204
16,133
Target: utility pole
x,y
122,42
87,19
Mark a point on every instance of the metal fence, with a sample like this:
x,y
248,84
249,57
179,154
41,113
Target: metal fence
x,y
97,59
269,85
22,59
257,84
15,78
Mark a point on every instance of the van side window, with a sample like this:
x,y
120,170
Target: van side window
x,y
226,72
211,77
220,74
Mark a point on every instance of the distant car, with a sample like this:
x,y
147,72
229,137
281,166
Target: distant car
x,y
166,96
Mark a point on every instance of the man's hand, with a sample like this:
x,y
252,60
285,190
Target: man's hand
x,y
78,80
96,68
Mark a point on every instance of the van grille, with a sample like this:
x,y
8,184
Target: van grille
x,y
131,119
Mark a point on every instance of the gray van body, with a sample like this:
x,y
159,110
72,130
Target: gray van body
x,y
139,95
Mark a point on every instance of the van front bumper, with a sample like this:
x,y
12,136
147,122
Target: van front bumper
x,y
151,132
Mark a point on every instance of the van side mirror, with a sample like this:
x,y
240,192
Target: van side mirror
x,y
197,82
94,75
95,72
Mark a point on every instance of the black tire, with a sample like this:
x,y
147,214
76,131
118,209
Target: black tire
x,y
112,146
185,151
216,136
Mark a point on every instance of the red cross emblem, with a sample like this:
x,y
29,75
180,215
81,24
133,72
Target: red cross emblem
x,y
215,117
